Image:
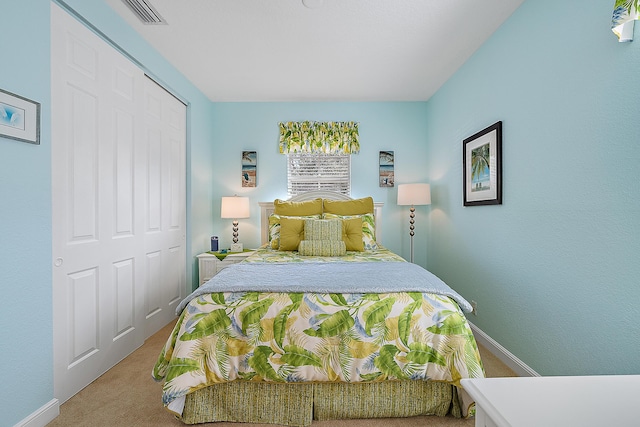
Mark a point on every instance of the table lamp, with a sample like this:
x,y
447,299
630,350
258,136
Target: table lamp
x,y
235,207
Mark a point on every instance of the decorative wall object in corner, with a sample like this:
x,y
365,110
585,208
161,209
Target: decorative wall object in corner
x,y
249,168
386,168
482,167
19,118
625,13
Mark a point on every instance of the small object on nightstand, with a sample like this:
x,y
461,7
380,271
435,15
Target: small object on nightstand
x,y
214,243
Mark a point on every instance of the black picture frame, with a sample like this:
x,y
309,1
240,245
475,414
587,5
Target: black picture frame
x,y
482,167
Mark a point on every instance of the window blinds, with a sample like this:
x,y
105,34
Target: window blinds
x,y
310,171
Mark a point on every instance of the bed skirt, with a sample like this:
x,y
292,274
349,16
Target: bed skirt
x,y
299,404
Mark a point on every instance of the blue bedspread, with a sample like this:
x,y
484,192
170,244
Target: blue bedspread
x,y
336,277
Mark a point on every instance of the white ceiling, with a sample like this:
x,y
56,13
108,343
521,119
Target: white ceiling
x,y
337,50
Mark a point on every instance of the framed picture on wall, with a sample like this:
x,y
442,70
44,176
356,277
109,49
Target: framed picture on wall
x,y
482,167
249,168
19,118
386,171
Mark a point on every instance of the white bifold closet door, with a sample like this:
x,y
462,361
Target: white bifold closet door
x,y
118,178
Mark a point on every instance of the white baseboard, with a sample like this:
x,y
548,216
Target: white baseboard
x,y
505,356
42,416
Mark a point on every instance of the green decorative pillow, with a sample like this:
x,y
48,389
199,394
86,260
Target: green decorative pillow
x,y
322,248
291,233
348,207
308,207
323,229
368,228
274,228
352,234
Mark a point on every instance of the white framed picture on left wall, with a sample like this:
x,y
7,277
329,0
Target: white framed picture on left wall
x,y
19,118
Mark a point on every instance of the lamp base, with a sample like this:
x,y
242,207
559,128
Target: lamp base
x,y
412,216
237,247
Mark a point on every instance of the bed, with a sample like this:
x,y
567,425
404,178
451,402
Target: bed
x,y
322,322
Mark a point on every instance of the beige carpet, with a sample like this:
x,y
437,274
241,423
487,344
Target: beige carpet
x,y
127,396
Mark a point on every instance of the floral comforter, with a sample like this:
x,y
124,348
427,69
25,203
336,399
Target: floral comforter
x,y
320,337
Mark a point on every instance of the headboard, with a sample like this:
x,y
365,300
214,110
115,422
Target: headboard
x,y
266,209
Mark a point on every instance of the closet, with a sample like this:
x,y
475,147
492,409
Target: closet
x,y
119,209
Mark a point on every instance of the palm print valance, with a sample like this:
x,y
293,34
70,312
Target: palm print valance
x,y
319,137
625,12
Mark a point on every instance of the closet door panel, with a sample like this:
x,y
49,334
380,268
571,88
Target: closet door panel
x,y
165,143
114,189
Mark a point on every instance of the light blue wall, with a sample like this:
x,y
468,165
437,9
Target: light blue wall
x,y
398,126
26,362
555,268
25,221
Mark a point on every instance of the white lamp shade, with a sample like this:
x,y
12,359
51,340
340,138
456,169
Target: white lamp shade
x,y
414,194
234,207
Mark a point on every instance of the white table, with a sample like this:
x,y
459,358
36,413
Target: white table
x,y
580,401
209,265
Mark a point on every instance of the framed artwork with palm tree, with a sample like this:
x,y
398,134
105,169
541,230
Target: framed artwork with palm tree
x,y
482,167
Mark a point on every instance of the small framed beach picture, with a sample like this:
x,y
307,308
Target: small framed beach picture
x,y
19,118
249,168
482,167
386,174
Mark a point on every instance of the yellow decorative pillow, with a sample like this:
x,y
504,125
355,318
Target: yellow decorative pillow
x,y
368,228
291,233
308,207
352,234
348,207
322,248
323,229
274,228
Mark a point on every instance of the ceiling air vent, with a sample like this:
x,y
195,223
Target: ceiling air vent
x,y
145,12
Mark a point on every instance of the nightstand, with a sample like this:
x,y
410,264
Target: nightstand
x,y
209,265
583,401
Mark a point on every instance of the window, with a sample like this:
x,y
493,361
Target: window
x,y
317,171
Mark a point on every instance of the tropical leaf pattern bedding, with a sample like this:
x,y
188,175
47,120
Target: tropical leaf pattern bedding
x,y
296,337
